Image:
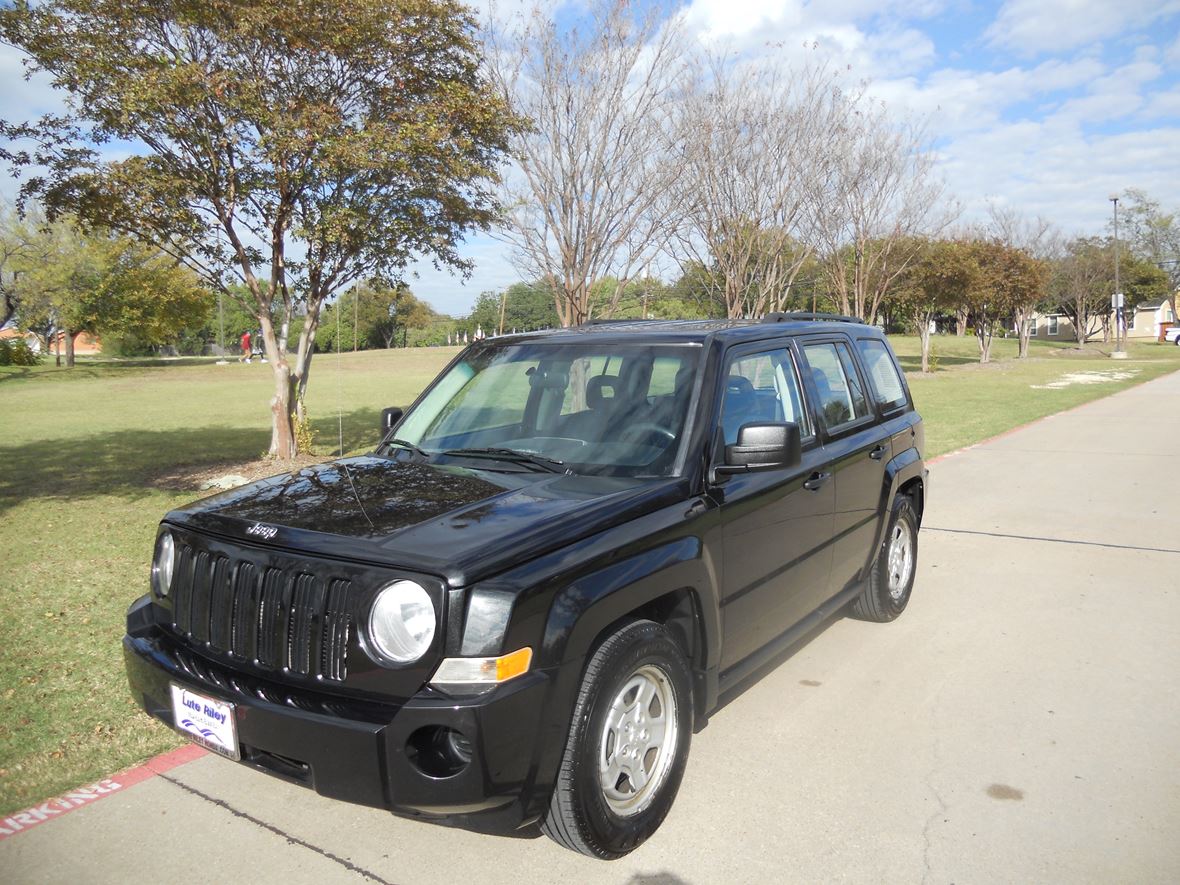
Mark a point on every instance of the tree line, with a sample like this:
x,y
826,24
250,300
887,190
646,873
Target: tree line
x,y
293,161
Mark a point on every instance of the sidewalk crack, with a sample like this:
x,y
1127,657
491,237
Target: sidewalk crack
x,y
291,840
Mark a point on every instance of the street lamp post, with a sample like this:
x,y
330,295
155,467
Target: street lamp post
x,y
1116,302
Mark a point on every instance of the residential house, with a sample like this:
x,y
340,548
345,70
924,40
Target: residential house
x,y
12,333
85,344
1051,326
1149,319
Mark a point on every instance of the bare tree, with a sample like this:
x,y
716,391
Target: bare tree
x,y
753,154
882,198
586,202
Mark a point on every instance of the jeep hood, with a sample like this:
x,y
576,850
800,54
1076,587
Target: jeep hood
x,y
459,523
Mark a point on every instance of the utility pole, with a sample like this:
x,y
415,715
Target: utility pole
x,y
1116,300
503,306
356,313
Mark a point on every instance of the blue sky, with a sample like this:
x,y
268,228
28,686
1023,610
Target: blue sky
x,y
1046,105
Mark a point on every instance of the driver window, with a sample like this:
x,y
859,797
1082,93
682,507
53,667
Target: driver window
x,y
762,388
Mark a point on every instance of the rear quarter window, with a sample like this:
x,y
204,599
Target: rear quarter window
x,y
884,377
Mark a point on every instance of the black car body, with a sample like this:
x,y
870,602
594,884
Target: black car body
x,y
732,554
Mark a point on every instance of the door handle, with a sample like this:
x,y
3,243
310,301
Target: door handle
x,y
816,480
877,453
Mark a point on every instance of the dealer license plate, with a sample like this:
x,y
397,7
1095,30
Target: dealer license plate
x,y
207,721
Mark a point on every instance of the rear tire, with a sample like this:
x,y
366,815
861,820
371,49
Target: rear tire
x,y
627,746
887,590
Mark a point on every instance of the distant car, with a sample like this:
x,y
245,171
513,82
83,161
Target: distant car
x,y
1172,335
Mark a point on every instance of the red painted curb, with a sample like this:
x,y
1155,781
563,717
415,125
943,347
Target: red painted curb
x,y
51,809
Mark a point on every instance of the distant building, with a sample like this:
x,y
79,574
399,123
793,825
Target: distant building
x,y
85,344
1149,319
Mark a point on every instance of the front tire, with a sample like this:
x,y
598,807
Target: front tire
x,y
628,744
887,591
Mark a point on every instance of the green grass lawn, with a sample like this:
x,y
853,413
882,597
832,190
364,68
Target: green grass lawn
x,y
82,451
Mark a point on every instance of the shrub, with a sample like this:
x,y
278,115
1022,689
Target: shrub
x,y
16,352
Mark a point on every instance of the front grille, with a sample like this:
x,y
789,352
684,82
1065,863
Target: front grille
x,y
282,619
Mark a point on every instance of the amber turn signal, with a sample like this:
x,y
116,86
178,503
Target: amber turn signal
x,y
483,671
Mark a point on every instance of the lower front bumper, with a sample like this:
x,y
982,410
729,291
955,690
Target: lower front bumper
x,y
363,752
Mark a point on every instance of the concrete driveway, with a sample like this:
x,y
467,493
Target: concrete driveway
x,y
1020,723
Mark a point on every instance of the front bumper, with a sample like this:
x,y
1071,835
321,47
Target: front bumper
x,y
359,751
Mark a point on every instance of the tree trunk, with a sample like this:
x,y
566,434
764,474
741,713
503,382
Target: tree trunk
x,y
1023,332
282,436
961,322
921,321
70,336
303,357
1080,322
983,334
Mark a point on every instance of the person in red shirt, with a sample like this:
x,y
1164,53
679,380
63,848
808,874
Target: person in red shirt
x,y
245,358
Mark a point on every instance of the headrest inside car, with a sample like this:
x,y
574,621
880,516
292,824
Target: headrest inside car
x,y
600,389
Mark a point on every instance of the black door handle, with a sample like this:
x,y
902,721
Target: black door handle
x,y
816,480
877,453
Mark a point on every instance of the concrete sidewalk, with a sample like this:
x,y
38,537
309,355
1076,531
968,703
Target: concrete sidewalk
x,y
1020,722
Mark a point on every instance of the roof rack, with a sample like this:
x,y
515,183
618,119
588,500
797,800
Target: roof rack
x,y
616,322
802,316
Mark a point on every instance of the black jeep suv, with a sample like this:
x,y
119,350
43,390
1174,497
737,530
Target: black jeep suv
x,y
550,572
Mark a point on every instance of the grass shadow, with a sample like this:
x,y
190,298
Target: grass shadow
x,y
126,463
913,364
362,431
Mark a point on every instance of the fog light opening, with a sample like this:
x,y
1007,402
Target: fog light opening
x,y
438,751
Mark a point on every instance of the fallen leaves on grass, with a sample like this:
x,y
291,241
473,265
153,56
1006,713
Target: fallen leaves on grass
x,y
190,478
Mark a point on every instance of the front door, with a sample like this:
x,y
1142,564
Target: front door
x,y
776,524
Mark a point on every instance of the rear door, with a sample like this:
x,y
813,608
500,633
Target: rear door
x,y
856,448
776,524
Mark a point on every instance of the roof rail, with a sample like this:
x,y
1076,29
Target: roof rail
x,y
616,322
799,315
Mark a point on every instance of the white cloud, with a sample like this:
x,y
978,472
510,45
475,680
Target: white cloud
x,y
1163,106
24,100
1047,168
449,293
957,100
1036,26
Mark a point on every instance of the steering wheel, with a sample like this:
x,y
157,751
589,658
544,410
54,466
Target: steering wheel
x,y
647,428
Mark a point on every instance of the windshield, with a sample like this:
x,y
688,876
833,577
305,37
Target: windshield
x,y
591,409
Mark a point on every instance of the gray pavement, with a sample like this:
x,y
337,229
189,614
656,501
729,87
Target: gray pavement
x,y
1020,723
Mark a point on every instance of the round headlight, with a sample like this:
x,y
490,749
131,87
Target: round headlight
x,y
401,622
165,559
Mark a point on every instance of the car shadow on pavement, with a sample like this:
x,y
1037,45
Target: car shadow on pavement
x,y
774,663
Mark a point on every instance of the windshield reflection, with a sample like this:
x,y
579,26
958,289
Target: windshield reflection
x,y
617,410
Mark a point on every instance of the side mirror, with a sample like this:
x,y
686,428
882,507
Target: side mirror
x,y
763,447
389,419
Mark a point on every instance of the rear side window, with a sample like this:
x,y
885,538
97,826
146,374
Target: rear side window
x,y
883,375
841,400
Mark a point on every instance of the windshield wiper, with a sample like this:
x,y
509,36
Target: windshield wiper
x,y
550,465
406,445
